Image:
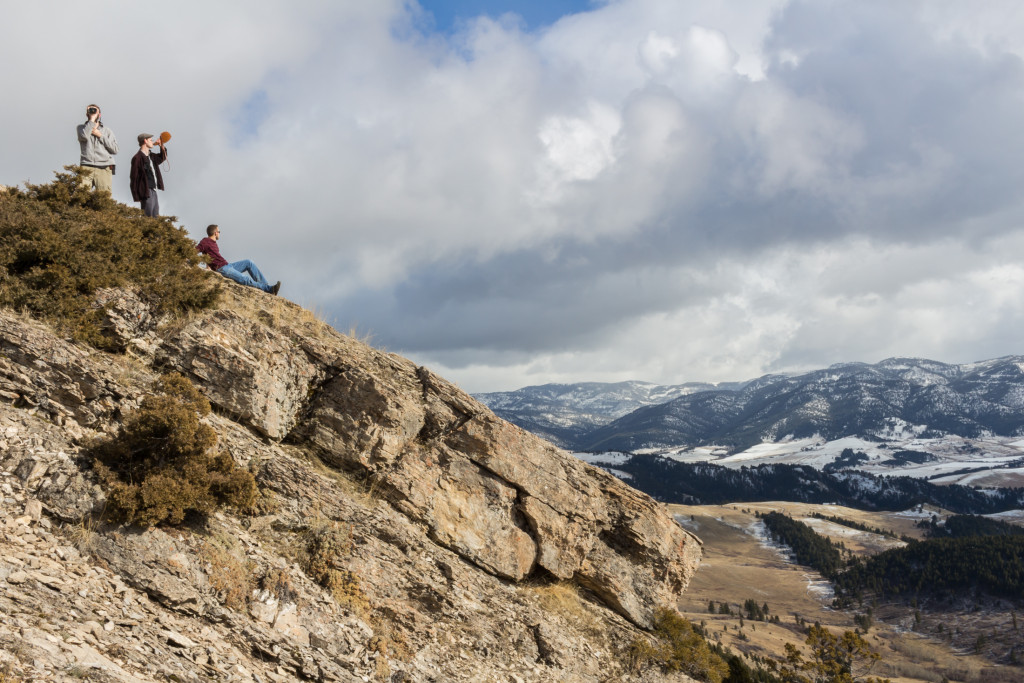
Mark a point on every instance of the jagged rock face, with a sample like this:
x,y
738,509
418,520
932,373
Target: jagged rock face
x,y
244,367
60,377
126,320
460,513
499,496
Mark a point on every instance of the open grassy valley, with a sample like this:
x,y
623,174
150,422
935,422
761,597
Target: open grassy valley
x,y
963,638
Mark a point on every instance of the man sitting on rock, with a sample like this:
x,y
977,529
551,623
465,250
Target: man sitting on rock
x,y
243,272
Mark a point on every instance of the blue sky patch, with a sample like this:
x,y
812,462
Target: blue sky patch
x,y
535,13
246,122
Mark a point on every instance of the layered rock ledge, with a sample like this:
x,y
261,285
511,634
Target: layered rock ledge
x,y
502,498
454,517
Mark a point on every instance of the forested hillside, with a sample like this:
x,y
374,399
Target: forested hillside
x,y
703,483
809,548
945,567
993,564
962,526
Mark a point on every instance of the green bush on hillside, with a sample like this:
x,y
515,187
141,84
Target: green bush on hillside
x,y
834,659
60,242
161,466
678,646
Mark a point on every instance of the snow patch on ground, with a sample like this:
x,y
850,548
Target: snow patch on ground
x,y
609,458
769,450
991,456
914,514
827,528
700,454
976,477
817,586
687,522
820,588
1011,516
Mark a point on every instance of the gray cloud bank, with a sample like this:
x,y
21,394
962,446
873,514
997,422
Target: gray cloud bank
x,y
649,190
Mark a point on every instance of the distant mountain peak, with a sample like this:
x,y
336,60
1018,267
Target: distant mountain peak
x,y
563,413
843,400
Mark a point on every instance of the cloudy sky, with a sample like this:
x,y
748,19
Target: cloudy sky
x,y
517,193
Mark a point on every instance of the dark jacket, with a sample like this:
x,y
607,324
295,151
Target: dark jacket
x,y
140,188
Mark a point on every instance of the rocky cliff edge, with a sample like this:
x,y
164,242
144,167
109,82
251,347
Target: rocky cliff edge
x,y
473,550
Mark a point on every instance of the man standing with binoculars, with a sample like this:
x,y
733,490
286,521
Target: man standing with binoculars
x,y
98,149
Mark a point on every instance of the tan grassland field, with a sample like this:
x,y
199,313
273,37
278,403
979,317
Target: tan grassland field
x,y
738,565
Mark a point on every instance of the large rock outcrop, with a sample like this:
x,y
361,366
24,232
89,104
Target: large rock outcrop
x,y
459,527
502,498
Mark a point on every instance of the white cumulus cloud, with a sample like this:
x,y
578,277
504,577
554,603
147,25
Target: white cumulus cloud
x,y
648,190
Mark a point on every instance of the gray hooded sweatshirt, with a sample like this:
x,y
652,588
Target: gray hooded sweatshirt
x,y
97,151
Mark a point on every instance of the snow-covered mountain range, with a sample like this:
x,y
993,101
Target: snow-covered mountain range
x,y
962,421
566,413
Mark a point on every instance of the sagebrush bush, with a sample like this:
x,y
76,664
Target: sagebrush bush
x,y
161,465
279,582
229,573
60,242
326,546
678,647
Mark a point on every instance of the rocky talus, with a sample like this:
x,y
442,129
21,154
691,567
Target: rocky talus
x,y
469,549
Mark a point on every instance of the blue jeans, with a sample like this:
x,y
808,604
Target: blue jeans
x,y
245,272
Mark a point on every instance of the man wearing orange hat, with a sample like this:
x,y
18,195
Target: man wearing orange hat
x,y
145,173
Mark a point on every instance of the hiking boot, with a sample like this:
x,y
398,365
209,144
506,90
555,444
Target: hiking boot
x,y
276,288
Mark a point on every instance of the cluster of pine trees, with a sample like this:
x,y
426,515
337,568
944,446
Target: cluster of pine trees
x,y
962,526
809,547
847,459
993,564
751,609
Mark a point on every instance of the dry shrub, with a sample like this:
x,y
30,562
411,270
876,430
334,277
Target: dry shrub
x,y
389,640
677,647
365,338
326,546
996,674
78,671
344,586
60,242
279,583
563,598
83,535
11,657
914,649
911,670
160,465
9,675
229,574
264,502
